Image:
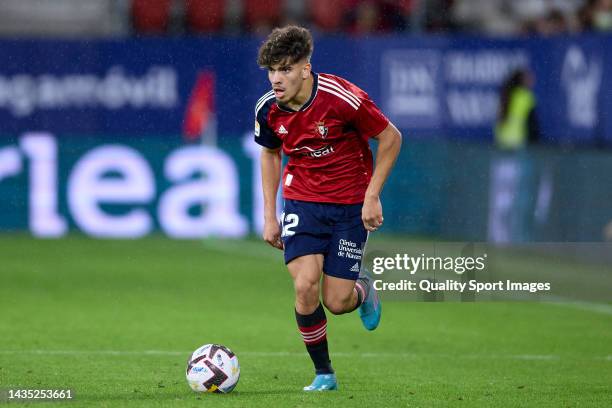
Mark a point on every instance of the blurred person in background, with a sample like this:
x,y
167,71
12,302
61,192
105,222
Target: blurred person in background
x,y
367,18
601,15
437,15
506,17
511,197
364,17
595,15
553,23
517,123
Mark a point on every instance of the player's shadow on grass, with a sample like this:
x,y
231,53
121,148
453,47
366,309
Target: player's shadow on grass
x,y
187,395
264,392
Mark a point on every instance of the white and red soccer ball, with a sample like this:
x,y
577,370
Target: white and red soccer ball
x,y
213,368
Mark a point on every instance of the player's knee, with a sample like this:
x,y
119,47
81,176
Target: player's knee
x,y
306,292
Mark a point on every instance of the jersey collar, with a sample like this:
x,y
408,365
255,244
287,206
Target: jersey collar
x,y
313,94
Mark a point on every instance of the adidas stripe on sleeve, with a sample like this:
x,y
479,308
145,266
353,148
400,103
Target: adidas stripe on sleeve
x,y
264,135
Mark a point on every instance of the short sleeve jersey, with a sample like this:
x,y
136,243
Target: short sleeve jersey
x,y
326,141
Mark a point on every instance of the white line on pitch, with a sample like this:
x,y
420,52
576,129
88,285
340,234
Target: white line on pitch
x,y
528,357
603,308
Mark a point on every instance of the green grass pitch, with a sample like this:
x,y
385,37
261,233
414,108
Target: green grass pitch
x,y
116,320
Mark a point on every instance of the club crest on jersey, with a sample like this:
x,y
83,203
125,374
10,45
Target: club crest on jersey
x,y
321,129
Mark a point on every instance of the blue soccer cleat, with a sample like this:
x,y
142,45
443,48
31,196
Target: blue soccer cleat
x,y
323,382
371,309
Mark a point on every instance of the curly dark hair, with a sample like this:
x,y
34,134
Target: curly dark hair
x,y
288,44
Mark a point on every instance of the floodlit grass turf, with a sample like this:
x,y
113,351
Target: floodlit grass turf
x,y
116,320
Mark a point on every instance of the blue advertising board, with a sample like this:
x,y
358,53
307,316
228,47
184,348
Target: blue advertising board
x,y
429,86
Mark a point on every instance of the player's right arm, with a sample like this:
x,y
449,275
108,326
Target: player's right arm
x,y
270,177
270,169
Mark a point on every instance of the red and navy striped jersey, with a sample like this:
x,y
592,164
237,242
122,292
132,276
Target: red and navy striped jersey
x,y
326,141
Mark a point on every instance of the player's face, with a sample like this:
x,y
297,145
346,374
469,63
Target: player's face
x,y
287,79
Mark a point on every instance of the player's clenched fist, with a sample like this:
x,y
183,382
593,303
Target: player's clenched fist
x,y
371,213
272,234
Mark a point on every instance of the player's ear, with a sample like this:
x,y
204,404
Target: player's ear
x,y
306,70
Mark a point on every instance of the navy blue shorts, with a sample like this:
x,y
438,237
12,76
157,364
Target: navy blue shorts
x,y
334,230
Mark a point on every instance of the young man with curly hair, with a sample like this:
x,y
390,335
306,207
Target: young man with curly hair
x,y
331,189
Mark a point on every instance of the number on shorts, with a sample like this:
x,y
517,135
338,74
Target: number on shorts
x,y
289,221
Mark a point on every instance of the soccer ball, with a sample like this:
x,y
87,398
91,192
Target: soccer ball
x,y
213,368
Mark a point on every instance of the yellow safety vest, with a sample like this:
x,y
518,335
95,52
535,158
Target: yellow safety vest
x,y
512,133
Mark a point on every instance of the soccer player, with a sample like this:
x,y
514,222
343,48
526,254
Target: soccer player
x,y
331,190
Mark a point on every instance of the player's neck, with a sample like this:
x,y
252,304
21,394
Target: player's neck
x,y
303,95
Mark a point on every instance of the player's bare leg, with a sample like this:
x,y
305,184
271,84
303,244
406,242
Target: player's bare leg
x,y
339,295
345,295
306,272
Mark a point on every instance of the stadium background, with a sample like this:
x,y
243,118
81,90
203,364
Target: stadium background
x,y
126,139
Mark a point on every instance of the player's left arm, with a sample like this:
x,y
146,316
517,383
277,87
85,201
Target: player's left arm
x,y
389,144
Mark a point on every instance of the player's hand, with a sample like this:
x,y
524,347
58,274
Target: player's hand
x,y
272,234
371,213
